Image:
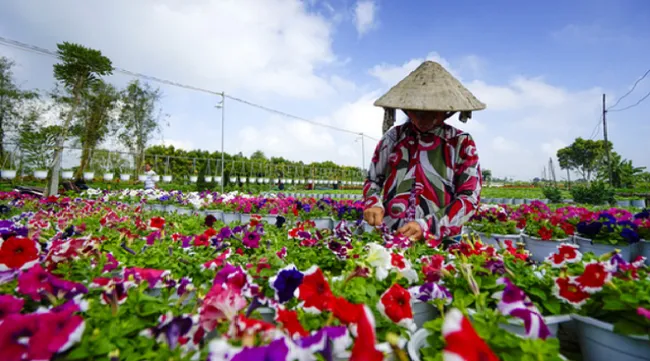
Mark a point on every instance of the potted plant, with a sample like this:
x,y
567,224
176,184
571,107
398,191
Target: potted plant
x,y
108,176
125,177
542,233
167,178
492,225
67,174
605,233
642,219
40,174
89,176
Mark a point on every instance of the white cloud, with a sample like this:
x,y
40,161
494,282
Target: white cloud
x,y
263,46
365,14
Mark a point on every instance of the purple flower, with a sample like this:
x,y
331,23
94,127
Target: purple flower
x,y
7,276
431,291
286,282
252,239
170,329
181,287
153,237
327,341
279,221
514,302
496,267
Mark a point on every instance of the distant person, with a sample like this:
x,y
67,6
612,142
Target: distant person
x,y
149,182
424,180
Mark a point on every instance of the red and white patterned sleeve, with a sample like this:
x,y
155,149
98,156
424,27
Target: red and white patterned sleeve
x,y
373,187
467,181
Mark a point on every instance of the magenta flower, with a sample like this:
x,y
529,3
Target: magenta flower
x,y
111,263
16,333
152,276
37,282
643,312
10,305
252,239
57,331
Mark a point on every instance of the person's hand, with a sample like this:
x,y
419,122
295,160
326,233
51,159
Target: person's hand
x,y
411,230
374,216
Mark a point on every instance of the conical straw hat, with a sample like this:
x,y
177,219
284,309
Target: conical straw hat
x,y
430,87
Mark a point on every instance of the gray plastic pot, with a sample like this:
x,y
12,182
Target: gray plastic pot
x,y
517,201
623,203
644,250
598,342
216,213
423,312
598,249
540,249
323,223
245,218
229,217
516,325
638,203
267,313
487,200
158,207
506,201
183,211
270,219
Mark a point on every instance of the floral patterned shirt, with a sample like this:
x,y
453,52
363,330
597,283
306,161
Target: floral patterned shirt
x,y
433,178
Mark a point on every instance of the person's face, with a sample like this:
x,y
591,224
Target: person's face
x,y
426,120
147,167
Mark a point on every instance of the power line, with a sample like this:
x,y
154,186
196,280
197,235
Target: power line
x,y
42,51
596,131
629,92
633,105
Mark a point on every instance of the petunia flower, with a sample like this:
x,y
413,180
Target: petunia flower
x,y
431,291
251,239
153,277
18,253
10,305
404,267
364,348
209,220
643,312
379,258
175,331
37,282
115,289
220,304
286,282
395,304
566,253
290,323
328,341
514,302
217,262
16,333
221,350
157,223
462,341
594,277
314,291
569,291
111,263
8,276
57,332
242,327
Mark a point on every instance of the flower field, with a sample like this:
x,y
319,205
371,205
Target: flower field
x,y
134,275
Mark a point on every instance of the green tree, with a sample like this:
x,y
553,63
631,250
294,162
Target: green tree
x,y
487,175
624,174
583,156
96,116
78,68
139,118
36,142
12,101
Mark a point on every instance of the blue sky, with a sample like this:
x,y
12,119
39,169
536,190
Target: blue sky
x,y
541,67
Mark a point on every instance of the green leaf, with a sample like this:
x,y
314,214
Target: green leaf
x,y
537,292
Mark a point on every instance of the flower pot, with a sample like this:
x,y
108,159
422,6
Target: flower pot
x,y
506,201
89,176
142,177
158,207
486,200
167,178
171,208
517,201
40,174
270,219
125,177
516,325
638,203
108,177
598,342
183,211
8,173
244,218
156,178
233,179
208,179
540,249
194,178
217,179
323,223
418,341
252,180
423,312
644,250
229,217
495,238
67,174
623,203
216,213
267,313
598,249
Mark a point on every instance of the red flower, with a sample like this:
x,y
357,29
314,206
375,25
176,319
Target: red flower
x,y
567,253
395,304
463,343
344,311
569,291
18,253
521,223
364,346
397,260
594,277
314,291
545,233
568,228
290,323
157,223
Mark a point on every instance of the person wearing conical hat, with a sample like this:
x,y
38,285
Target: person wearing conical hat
x,y
424,180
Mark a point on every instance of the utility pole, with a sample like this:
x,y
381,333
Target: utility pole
x,y
223,122
607,157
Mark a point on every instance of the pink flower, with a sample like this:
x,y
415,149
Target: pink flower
x,y
152,276
10,305
643,312
37,282
220,304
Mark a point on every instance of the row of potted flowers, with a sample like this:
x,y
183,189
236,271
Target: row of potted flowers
x,y
188,286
